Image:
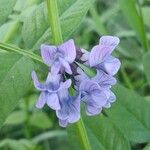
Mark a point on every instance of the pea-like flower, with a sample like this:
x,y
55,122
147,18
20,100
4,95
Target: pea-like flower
x,y
50,90
70,108
100,55
95,91
59,57
65,61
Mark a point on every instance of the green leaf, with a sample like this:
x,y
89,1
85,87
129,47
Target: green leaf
x,y
147,147
16,118
40,120
134,19
102,135
131,114
146,62
71,13
22,144
146,12
6,7
15,79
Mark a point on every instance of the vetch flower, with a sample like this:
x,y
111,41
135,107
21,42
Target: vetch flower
x,y
93,96
49,90
95,91
100,55
70,108
59,57
93,88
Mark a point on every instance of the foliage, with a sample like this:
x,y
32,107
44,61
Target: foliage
x,y
25,26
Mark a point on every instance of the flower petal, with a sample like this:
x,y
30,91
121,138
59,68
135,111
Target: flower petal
x,y
99,99
109,41
66,84
100,52
111,65
53,101
48,53
85,55
53,78
39,86
89,86
91,110
66,65
104,80
63,123
111,99
41,101
55,68
69,50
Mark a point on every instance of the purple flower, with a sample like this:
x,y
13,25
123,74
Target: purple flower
x,y
104,80
70,108
100,55
95,91
93,96
49,90
59,58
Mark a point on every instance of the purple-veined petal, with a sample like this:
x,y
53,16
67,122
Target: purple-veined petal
x,y
95,56
89,86
81,75
63,123
39,86
66,84
55,68
69,50
85,55
74,109
99,98
48,53
91,110
53,101
104,80
111,99
66,65
109,41
41,100
98,55
53,78
111,65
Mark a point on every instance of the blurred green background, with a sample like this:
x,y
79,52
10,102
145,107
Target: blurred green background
x,y
28,128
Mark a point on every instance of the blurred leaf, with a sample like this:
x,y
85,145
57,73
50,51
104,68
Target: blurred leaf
x,y
36,32
146,12
16,118
49,135
102,135
134,19
147,147
15,78
17,144
6,7
146,63
131,114
40,120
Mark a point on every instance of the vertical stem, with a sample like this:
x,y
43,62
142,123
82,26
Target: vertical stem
x,y
83,134
57,37
53,17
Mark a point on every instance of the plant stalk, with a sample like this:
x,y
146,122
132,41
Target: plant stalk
x,y
57,37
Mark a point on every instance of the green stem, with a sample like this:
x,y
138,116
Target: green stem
x,y
54,21
12,48
83,134
126,78
57,36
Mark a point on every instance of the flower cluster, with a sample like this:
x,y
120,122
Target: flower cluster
x,y
95,92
